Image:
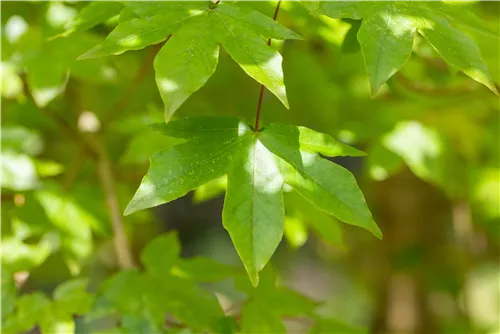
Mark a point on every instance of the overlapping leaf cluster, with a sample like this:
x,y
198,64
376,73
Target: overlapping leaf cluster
x,y
194,31
388,30
257,164
52,315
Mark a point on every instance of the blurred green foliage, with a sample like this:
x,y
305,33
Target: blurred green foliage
x,y
76,144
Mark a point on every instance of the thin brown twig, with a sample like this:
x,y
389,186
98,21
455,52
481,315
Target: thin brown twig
x,y
261,93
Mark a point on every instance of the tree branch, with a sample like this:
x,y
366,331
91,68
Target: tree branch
x,y
106,177
132,89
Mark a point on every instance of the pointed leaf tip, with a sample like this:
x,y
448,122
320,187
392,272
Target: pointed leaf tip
x,y
254,279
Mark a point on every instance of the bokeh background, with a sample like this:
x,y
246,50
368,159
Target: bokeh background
x,y
431,177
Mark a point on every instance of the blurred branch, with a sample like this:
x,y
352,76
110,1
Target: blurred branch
x,y
105,174
419,88
437,63
74,169
66,127
129,94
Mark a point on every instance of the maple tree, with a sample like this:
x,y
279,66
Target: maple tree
x,y
280,179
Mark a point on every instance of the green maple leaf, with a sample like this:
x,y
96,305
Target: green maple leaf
x,y
268,303
167,285
257,165
388,29
194,31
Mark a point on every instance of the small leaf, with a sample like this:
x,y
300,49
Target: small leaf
x,y
255,319
72,298
161,254
31,309
268,303
121,290
191,304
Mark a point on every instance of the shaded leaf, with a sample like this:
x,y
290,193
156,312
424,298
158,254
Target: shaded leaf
x,y
387,30
201,269
161,254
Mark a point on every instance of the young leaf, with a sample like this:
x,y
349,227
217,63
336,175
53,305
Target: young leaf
x,y
187,60
161,254
268,303
71,297
387,30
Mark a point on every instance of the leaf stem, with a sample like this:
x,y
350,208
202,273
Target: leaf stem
x,y
261,94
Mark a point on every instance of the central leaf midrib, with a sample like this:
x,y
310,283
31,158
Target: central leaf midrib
x,y
254,257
